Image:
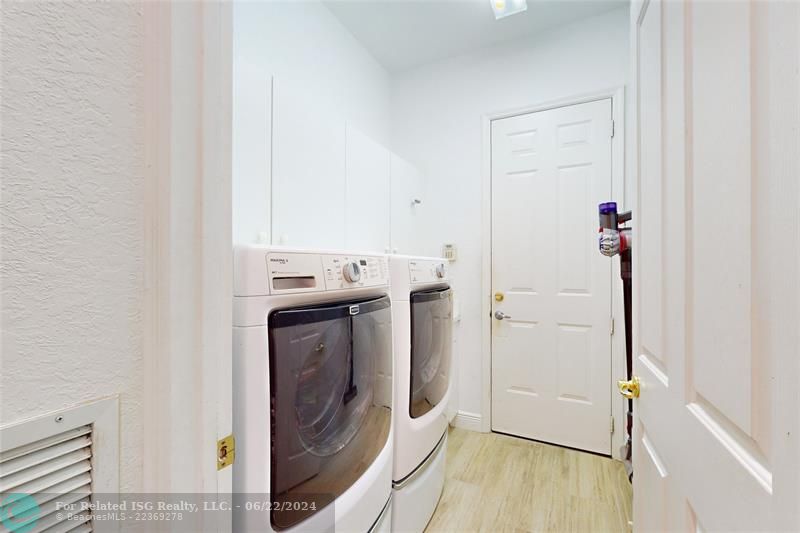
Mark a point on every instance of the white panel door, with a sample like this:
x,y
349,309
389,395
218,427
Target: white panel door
x,y
551,356
406,187
367,203
715,443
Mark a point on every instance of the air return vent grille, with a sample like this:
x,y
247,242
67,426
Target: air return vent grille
x,y
58,459
54,468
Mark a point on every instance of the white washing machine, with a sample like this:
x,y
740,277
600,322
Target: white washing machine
x,y
312,405
422,314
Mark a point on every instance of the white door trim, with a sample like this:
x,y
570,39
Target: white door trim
x,y
187,210
617,95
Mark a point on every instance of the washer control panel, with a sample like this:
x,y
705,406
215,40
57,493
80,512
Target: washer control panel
x,y
291,272
427,270
345,271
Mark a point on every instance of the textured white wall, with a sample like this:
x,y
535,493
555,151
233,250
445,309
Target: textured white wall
x,y
72,215
437,113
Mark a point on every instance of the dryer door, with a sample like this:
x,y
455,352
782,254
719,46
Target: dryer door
x,y
331,389
431,347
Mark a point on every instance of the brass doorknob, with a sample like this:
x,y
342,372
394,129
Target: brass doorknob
x,y
499,297
629,388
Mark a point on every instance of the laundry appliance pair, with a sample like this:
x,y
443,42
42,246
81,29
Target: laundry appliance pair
x,y
341,379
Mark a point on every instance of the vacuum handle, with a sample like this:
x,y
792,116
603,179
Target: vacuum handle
x,y
608,215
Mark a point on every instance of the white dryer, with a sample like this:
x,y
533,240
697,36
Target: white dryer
x,y
312,405
422,311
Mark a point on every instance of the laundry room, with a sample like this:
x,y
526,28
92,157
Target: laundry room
x,y
374,128
375,266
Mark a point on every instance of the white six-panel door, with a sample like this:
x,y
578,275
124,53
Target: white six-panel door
x,y
551,355
716,267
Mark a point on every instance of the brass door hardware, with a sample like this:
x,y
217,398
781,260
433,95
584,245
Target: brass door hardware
x,y
226,452
629,388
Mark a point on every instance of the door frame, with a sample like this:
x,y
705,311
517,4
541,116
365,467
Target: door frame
x,y
188,257
618,182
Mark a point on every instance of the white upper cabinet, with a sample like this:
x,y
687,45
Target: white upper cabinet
x,y
367,198
302,177
406,200
252,132
308,183
307,179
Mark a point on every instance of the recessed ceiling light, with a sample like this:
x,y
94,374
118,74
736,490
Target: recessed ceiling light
x,y
504,8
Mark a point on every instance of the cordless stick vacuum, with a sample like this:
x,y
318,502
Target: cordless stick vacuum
x,y
615,239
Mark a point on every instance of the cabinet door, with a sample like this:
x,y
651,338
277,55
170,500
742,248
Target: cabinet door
x,y
367,194
308,184
252,160
406,187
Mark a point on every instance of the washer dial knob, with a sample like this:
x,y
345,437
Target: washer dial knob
x,y
352,272
440,270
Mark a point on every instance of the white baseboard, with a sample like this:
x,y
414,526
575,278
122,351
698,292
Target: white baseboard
x,y
468,421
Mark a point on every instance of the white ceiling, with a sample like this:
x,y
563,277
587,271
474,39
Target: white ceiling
x,y
404,34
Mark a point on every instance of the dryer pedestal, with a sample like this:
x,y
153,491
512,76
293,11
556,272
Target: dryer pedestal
x,y
415,499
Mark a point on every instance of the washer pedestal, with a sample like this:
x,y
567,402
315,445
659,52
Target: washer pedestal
x,y
415,500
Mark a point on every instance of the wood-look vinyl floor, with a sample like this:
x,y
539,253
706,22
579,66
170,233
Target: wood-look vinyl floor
x,y
499,483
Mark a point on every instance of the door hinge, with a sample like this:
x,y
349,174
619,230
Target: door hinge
x,y
612,129
612,425
612,327
226,452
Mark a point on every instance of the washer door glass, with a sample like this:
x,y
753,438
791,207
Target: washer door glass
x,y
331,387
431,347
